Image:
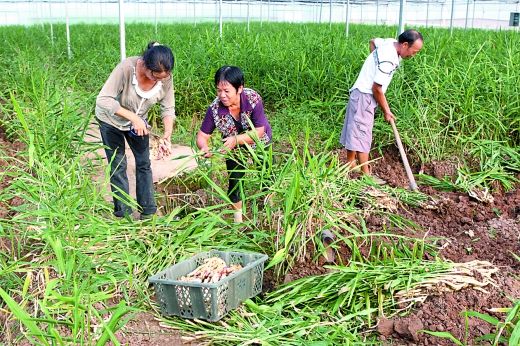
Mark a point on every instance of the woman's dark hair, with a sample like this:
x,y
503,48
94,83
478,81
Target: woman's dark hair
x,y
231,74
158,58
410,36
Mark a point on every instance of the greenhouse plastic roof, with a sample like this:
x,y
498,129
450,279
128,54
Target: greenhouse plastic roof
x,y
381,2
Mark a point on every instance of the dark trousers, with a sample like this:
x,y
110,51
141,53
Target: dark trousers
x,y
236,167
236,171
114,141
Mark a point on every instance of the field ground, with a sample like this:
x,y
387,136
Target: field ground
x,y
162,169
466,229
469,230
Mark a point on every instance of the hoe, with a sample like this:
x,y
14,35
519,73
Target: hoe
x,y
411,179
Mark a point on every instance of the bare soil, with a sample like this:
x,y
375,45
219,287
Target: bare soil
x,y
8,150
144,329
468,229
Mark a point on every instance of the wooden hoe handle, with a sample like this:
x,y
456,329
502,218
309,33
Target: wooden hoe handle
x,y
411,179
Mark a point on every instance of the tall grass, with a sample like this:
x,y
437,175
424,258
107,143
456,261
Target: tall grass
x,y
68,259
74,275
293,65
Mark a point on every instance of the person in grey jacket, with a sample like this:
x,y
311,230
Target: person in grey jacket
x,y
133,87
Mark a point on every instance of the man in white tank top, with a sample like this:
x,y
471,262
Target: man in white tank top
x,y
368,92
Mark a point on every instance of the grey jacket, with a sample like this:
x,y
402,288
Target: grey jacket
x,y
119,91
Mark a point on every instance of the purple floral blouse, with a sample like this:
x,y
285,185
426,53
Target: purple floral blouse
x,y
251,113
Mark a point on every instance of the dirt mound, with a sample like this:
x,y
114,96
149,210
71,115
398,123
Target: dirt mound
x,y
467,229
444,314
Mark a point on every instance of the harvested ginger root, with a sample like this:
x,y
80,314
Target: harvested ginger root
x,y
212,270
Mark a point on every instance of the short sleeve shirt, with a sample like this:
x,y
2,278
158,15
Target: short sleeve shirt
x,y
379,66
251,108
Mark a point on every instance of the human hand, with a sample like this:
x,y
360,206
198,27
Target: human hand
x,y
140,127
230,142
389,116
205,152
165,148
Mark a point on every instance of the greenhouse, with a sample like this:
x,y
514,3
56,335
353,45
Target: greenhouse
x,y
260,172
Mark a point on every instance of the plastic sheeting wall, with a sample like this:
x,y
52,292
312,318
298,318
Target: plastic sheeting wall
x,y
473,14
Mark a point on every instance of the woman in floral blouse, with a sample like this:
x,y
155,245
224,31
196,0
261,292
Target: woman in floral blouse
x,y
238,113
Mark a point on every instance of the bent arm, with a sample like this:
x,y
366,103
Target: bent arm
x,y
168,122
107,100
258,122
113,87
128,115
249,137
203,141
167,105
137,123
379,96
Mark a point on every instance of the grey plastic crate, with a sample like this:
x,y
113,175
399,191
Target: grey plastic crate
x,y
208,301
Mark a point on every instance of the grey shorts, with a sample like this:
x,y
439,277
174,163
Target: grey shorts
x,y
359,121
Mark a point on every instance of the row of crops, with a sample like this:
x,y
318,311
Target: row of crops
x,y
71,274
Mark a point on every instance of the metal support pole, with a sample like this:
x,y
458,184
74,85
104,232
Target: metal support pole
x,y
330,14
467,15
442,14
498,16
220,18
473,16
248,18
40,15
268,10
86,12
321,9
67,28
261,13
216,11
402,5
155,17
377,12
427,12
347,18
50,21
452,14
292,12
122,39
